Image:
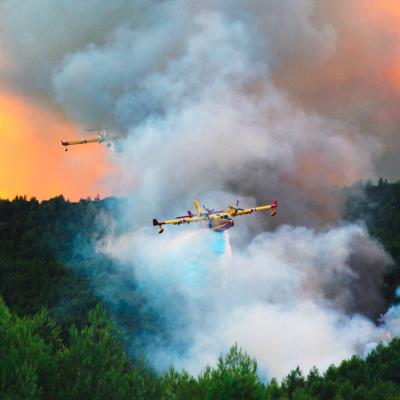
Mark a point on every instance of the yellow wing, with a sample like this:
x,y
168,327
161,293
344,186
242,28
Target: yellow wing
x,y
177,221
235,211
66,144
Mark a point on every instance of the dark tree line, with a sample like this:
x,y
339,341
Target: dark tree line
x,y
90,363
56,342
48,259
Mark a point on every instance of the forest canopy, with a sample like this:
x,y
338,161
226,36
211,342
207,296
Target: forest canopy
x,y
57,339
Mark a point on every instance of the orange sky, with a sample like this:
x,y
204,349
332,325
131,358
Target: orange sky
x,y
389,15
32,161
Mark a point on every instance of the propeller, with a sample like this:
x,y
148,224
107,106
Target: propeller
x,y
208,210
237,208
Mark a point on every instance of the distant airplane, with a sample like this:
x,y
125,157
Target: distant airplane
x,y
218,221
103,136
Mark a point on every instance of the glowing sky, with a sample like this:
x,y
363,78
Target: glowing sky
x,y
32,161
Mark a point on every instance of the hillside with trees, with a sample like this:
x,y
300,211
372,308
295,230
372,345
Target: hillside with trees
x,y
57,341
378,206
90,363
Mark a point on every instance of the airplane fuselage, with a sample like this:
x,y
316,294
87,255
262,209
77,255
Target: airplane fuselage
x,y
220,223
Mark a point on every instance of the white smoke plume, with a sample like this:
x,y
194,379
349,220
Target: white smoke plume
x,y
197,89
282,297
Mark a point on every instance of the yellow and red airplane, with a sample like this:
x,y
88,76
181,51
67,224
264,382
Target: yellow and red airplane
x,y
102,137
218,221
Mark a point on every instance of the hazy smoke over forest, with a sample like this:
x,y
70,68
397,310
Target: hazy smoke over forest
x,y
220,100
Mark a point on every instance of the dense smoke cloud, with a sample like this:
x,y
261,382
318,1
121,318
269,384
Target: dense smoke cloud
x,y
209,99
201,78
283,297
360,80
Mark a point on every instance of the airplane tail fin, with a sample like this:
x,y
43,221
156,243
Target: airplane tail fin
x,y
274,207
197,207
156,223
65,144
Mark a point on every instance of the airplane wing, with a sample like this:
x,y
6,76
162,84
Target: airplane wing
x,y
83,141
177,221
235,211
71,142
